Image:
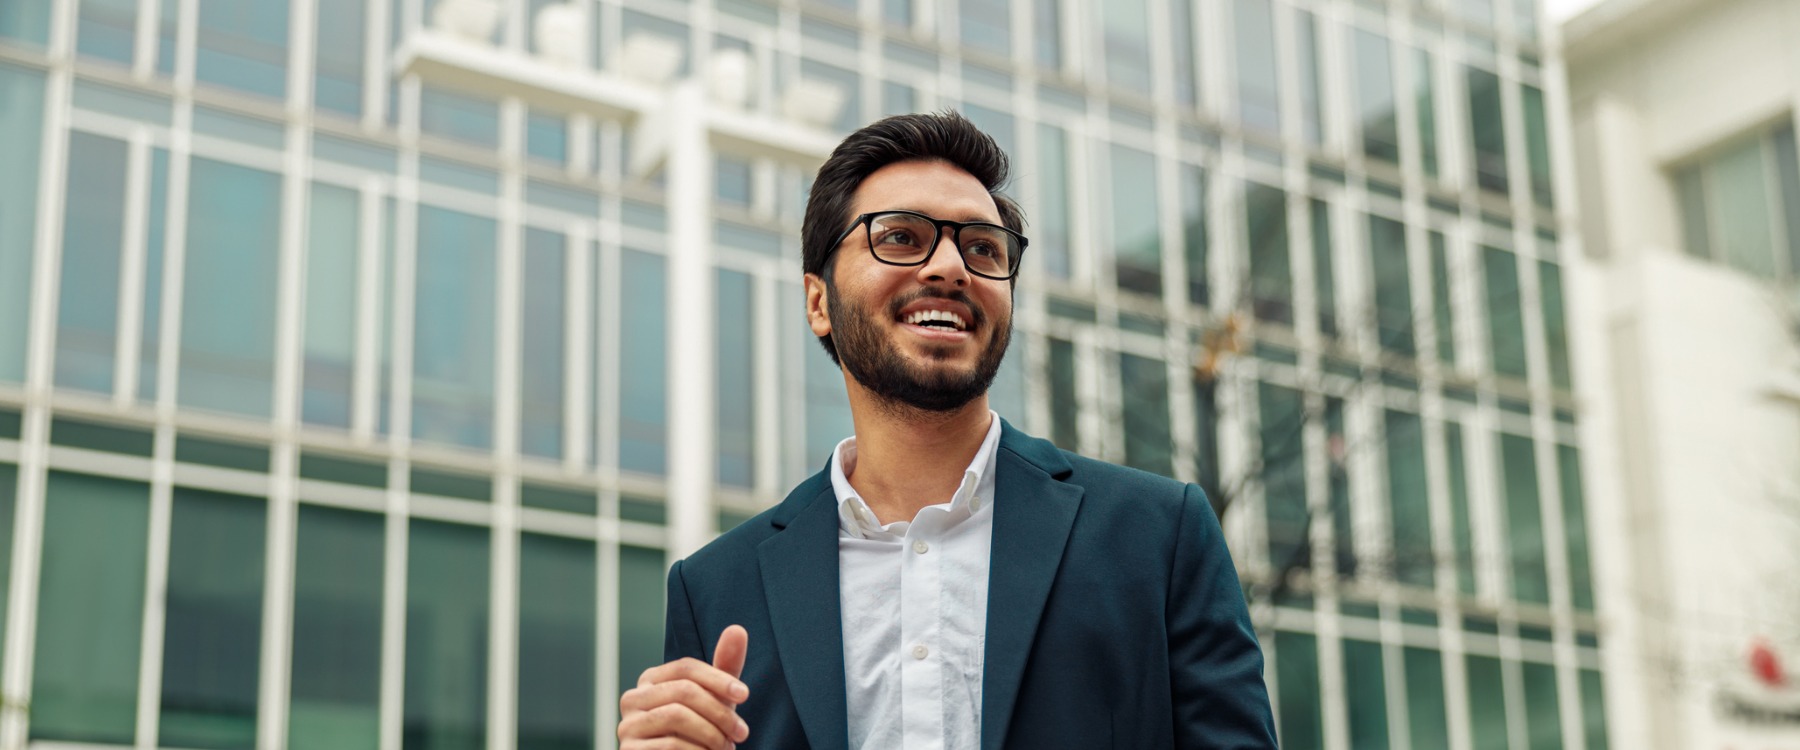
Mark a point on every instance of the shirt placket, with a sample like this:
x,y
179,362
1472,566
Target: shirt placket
x,y
922,653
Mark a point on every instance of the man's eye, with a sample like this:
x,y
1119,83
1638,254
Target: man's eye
x,y
897,237
984,249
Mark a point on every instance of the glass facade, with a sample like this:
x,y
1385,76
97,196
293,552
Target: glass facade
x,y
335,400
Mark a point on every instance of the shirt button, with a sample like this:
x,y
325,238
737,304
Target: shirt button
x,y
921,547
920,651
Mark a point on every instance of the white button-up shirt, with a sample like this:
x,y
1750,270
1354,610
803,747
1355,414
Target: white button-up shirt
x,y
914,600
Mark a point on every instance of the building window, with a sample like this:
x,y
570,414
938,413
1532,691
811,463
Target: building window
x,y
1462,534
446,636
1393,285
1424,101
1426,717
1442,314
1050,238
1144,390
557,628
641,581
1126,34
1487,703
106,29
1271,274
1537,145
228,297
736,340
244,46
21,119
1065,404
1324,278
1506,326
336,688
1365,690
1543,720
1258,83
213,635
1193,233
1375,97
1312,100
1046,33
1741,205
1297,691
1136,228
338,81
93,235
1283,475
328,368
541,345
1337,474
1575,528
1409,509
986,27
1524,519
453,329
1487,131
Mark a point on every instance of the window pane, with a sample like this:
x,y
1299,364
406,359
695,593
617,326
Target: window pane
x,y
90,609
1144,386
1393,286
1506,327
1487,703
1787,166
642,573
1486,130
1343,528
1593,710
26,21
1524,519
106,30
1126,28
1136,231
1206,440
150,343
21,116
1441,311
1422,84
453,329
1007,394
1375,97
1366,691
643,423
93,232
244,45
1284,477
9,482
1065,409
1425,698
1046,32
1258,86
1543,721
1414,560
328,372
1537,144
1193,232
541,345
547,138
213,635
985,27
557,612
1050,237
1324,283
827,407
336,693
848,82
1271,277
737,379
1575,528
1746,223
1556,333
1311,101
458,117
228,297
1696,231
1181,21
898,98
1462,534
1297,678
446,637
338,85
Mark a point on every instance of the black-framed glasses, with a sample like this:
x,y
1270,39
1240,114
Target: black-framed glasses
x,y
908,238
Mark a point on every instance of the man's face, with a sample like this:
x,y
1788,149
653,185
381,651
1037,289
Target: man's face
x,y
889,322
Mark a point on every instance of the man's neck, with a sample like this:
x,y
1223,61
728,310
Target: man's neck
x,y
906,458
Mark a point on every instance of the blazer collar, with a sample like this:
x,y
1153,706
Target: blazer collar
x,y
1033,513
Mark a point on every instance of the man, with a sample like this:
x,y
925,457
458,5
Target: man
x,y
948,581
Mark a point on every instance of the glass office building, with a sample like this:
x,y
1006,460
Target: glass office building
x,y
334,401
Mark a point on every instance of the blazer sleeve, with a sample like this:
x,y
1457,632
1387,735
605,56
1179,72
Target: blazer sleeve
x,y
681,634
1215,664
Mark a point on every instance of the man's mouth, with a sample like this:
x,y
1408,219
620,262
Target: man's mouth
x,y
937,319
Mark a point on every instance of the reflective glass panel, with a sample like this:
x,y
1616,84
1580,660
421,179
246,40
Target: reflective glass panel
x,y
93,234
90,609
149,346
1284,476
1593,710
21,115
1125,25
453,329
1487,703
557,612
643,418
1136,230
1181,22
985,27
1051,241
1206,440
338,80
1258,85
335,697
1486,130
542,337
1375,97
1193,233
1743,210
105,29
1543,721
1696,230
1046,32
1537,144
1410,511
213,635
1343,527
1393,286
244,45
1297,693
1556,332
1324,278
737,379
1786,158
1271,275
1441,311
1426,718
1425,103
1506,326
642,576
1524,519
1144,390
446,637
1312,101
328,367
228,297
1462,534
1575,528
459,117
1065,409
1365,688
26,21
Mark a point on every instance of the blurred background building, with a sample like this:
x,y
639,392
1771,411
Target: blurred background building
x,y
1683,122
361,373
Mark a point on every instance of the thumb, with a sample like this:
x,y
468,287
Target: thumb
x,y
734,643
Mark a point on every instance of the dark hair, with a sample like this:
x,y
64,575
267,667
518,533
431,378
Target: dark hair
x,y
943,136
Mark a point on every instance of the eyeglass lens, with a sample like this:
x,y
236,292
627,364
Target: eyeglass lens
x,y
908,238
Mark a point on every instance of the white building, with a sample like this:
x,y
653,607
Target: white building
x,y
1683,116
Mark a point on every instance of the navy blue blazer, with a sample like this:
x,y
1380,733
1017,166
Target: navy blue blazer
x,y
1115,617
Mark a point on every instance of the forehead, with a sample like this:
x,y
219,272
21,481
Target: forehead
x,y
938,188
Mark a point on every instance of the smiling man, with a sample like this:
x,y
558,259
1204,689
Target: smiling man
x,y
948,581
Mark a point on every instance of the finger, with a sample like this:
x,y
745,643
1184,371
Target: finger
x,y
674,721
689,695
734,645
712,678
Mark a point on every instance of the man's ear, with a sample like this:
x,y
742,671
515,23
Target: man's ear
x,y
818,308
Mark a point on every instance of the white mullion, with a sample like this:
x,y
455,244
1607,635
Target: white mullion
x,y
393,633
156,584
129,322
366,386
1438,501
1456,687
503,623
1393,662
1512,682
606,631
1487,500
375,69
143,59
766,328
578,317
393,608
609,326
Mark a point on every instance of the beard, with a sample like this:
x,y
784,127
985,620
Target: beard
x,y
898,382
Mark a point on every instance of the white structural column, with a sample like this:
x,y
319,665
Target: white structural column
x,y
693,370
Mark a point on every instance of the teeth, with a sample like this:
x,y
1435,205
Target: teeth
x,y
922,316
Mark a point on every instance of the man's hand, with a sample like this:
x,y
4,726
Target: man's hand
x,y
688,703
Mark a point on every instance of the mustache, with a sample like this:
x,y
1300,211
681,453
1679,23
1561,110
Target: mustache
x,y
977,315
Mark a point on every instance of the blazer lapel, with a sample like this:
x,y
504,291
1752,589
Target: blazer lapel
x,y
1033,512
800,578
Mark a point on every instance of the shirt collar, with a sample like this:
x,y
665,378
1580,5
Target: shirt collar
x,y
975,493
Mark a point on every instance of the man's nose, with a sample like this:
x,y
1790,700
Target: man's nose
x,y
946,262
